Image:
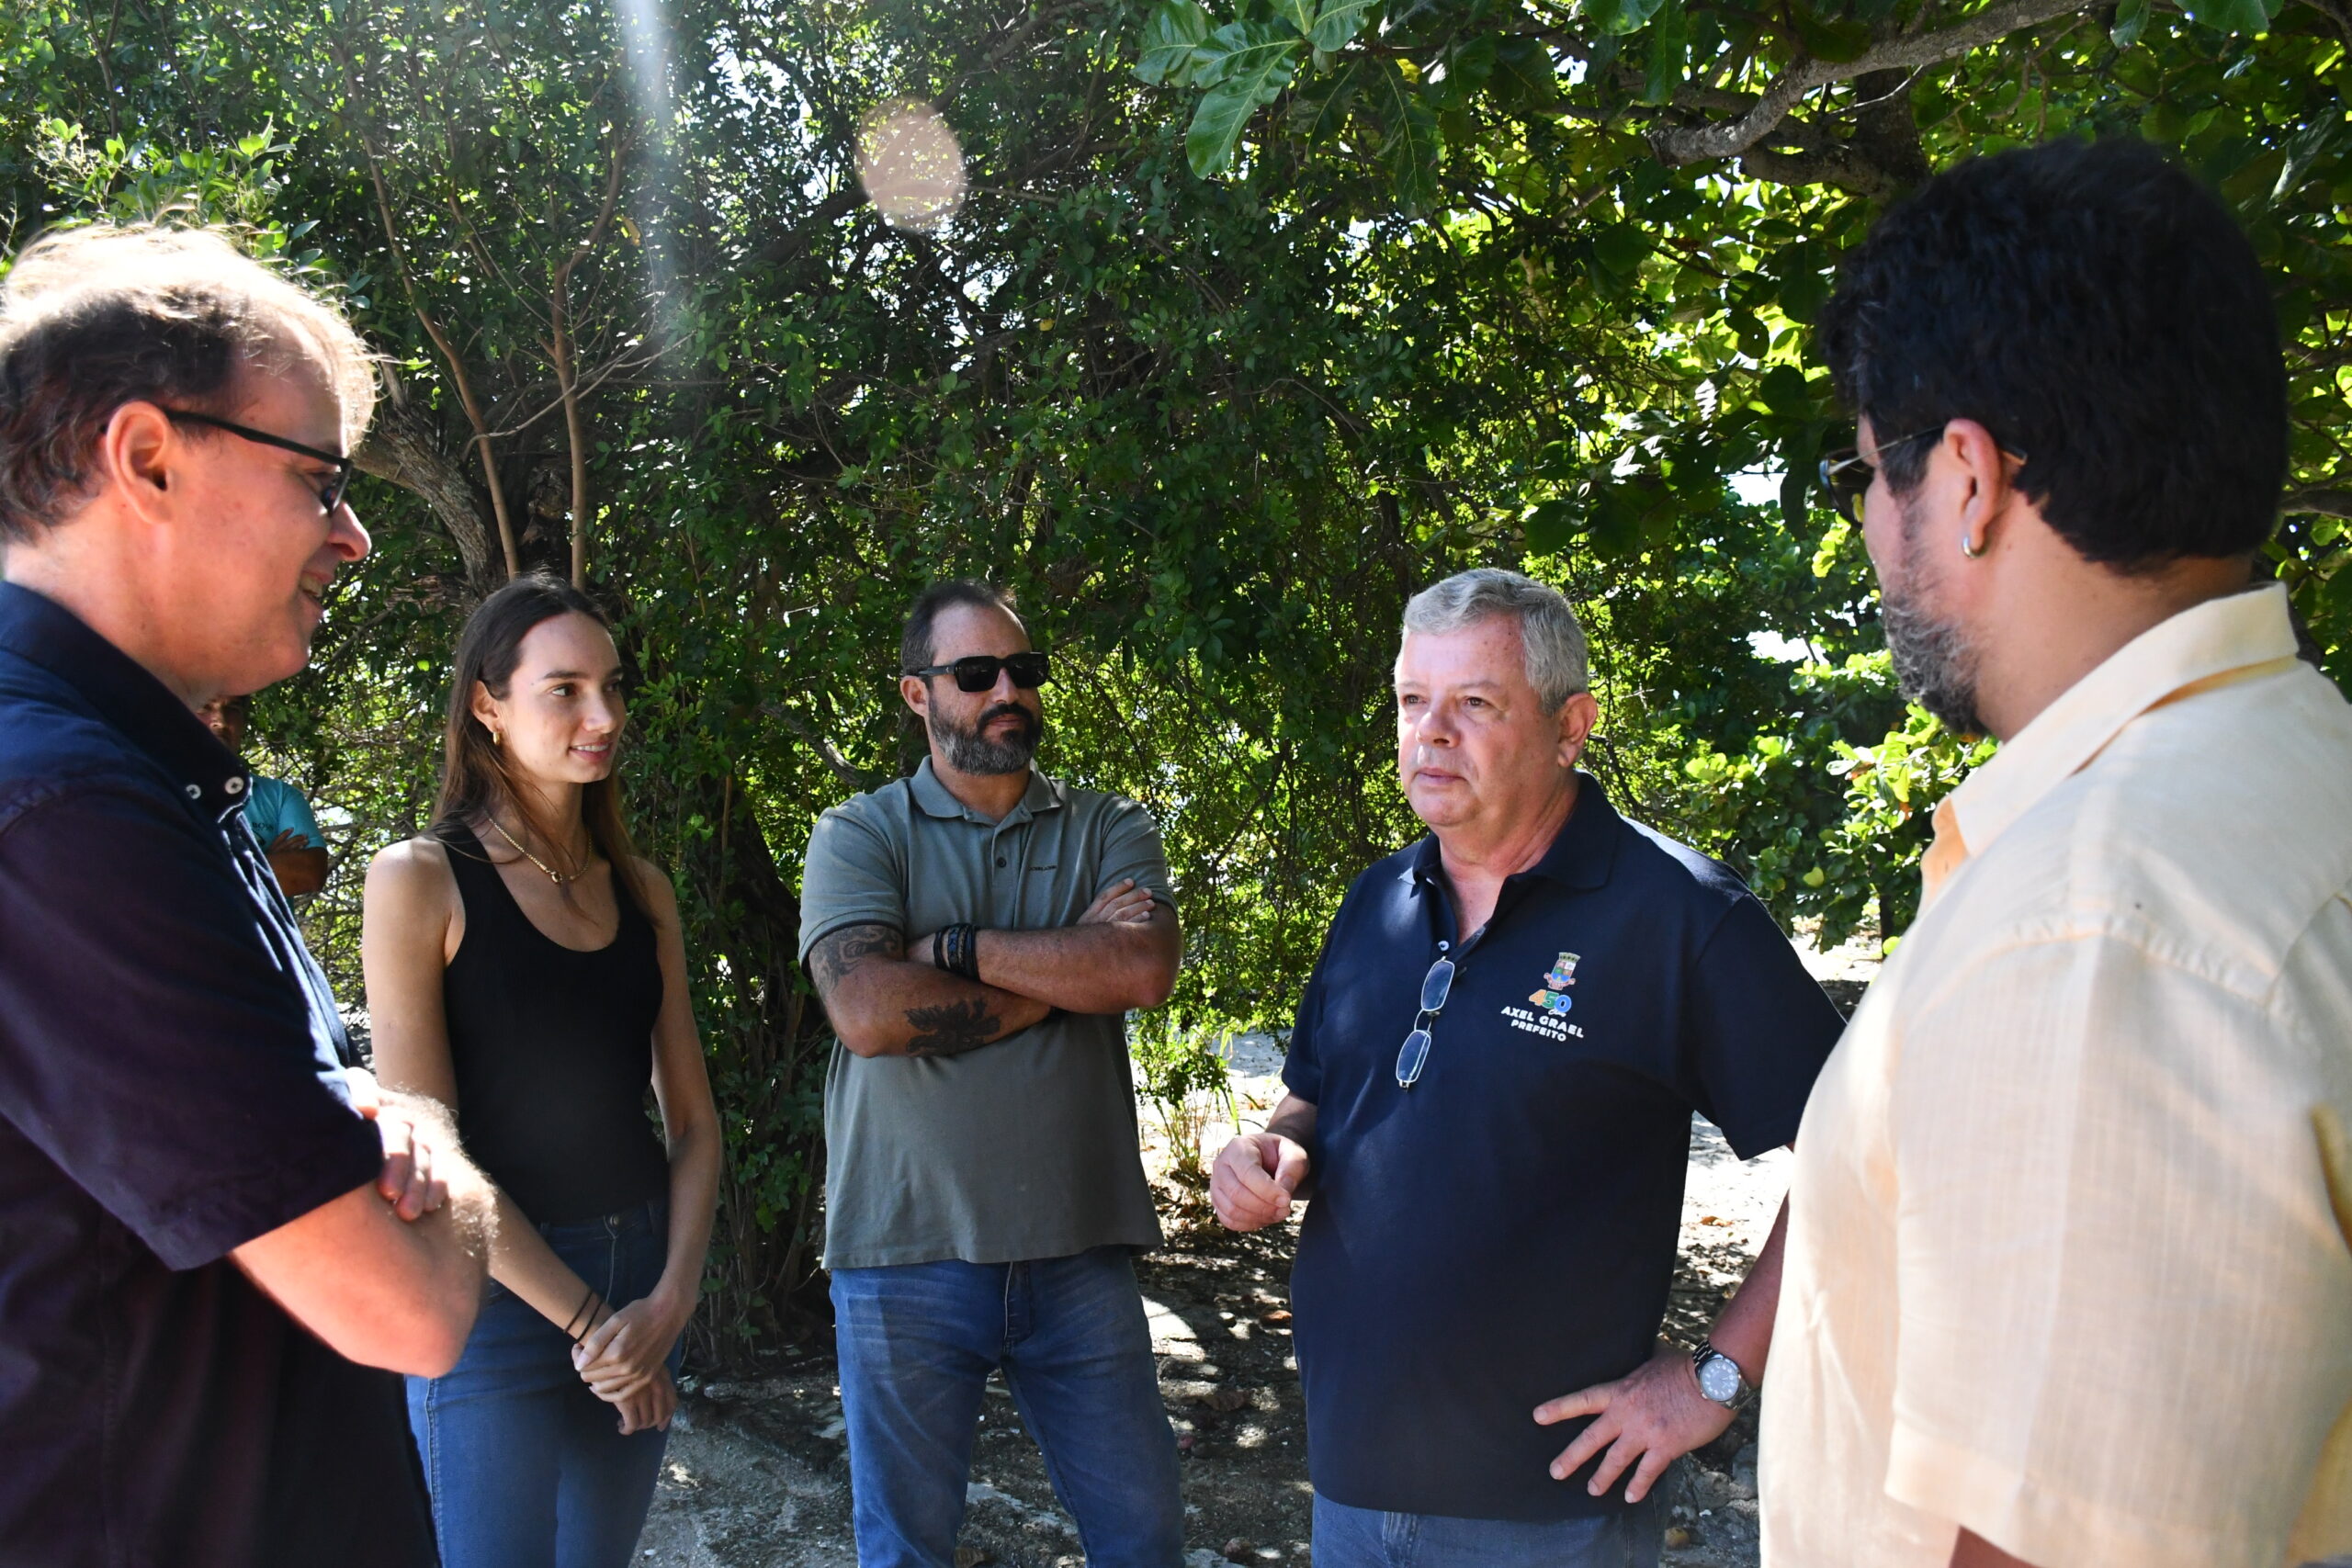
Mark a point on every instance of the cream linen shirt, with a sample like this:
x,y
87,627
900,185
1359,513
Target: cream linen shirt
x,y
2067,1259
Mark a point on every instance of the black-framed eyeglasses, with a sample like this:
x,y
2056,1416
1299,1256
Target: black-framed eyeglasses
x,y
1847,474
330,494
978,672
1414,1054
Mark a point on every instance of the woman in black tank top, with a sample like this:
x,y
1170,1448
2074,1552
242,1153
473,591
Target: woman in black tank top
x,y
524,966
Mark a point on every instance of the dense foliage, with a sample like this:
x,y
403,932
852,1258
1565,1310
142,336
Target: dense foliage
x,y
1252,322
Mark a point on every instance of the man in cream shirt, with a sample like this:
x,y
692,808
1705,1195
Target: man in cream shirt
x,y
2068,1282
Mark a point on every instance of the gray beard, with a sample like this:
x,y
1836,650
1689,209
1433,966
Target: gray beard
x,y
969,751
1934,665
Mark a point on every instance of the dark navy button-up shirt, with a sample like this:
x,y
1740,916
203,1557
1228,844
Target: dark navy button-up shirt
x,y
170,1087
1505,1230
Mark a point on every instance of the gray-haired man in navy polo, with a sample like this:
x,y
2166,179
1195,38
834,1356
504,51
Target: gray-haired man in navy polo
x,y
1491,1085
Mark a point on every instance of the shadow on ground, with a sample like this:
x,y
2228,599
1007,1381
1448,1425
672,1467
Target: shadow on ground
x,y
758,1474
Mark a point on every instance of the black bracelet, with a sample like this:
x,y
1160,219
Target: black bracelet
x,y
939,949
972,954
959,951
568,1322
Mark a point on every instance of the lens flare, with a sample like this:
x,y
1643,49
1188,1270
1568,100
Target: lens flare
x,y
911,166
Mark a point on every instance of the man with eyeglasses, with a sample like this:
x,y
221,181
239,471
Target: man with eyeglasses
x,y
211,1266
977,933
1490,1088
2068,1272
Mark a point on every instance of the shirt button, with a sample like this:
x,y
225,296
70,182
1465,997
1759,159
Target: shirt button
x,y
1000,863
195,792
236,787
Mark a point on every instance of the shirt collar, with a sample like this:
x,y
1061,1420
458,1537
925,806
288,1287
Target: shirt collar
x,y
1043,795
1581,854
38,629
2233,637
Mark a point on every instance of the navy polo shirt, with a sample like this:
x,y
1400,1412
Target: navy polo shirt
x,y
170,1088
1505,1232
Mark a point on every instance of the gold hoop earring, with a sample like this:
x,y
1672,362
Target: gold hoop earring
x,y
498,737
1972,553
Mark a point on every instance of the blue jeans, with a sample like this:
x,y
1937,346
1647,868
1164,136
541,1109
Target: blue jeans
x,y
1365,1538
916,1344
527,1467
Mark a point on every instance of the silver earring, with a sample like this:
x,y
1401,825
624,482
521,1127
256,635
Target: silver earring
x,y
1972,553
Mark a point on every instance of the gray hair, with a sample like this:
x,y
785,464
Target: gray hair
x,y
1550,639
95,317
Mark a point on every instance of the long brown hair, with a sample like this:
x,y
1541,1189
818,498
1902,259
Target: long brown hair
x,y
475,773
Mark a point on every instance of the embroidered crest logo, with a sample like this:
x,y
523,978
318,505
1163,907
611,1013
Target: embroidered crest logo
x,y
1555,997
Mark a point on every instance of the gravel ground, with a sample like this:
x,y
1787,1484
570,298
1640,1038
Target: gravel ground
x,y
757,1475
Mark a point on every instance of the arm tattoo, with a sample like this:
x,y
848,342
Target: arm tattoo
x,y
951,1028
838,953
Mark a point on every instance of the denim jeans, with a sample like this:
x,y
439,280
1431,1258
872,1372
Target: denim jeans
x,y
527,1469
1365,1538
916,1344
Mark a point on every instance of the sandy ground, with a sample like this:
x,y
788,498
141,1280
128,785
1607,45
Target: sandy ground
x,y
757,1472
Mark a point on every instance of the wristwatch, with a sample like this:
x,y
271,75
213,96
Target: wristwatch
x,y
1720,1377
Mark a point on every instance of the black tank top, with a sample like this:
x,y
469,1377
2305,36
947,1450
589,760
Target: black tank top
x,y
553,1050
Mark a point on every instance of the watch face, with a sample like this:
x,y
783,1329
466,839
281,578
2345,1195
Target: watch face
x,y
1719,1378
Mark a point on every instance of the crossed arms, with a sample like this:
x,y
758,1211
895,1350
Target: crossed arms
x,y
886,998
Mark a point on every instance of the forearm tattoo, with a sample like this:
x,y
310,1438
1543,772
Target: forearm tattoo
x,y
838,953
951,1028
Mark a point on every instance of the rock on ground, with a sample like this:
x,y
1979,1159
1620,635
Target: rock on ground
x,y
757,1475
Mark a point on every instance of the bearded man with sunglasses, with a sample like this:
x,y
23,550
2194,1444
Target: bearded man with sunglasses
x,y
977,933
1491,1086
211,1264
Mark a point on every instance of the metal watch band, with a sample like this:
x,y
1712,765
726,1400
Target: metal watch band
x,y
1704,1352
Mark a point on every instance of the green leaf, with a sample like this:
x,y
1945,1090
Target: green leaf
x,y
1552,527
1524,77
1321,109
2131,21
1298,14
1412,149
1616,18
1171,37
1469,64
1837,41
1621,248
2246,16
1248,49
1252,70
1669,54
1338,22
1784,392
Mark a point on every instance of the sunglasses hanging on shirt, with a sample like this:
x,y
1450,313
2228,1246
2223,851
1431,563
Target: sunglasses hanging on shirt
x,y
978,672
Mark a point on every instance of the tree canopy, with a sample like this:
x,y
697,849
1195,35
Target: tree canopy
x,y
1251,322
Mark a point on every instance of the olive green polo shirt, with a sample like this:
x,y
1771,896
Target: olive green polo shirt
x,y
1023,1149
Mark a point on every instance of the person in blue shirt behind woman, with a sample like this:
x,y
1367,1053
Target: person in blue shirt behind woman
x,y
524,966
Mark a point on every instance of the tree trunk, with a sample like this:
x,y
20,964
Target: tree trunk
x,y
401,449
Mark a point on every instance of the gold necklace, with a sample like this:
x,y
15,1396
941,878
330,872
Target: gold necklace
x,y
552,877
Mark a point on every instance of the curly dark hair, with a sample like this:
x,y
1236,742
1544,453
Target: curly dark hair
x,y
2101,313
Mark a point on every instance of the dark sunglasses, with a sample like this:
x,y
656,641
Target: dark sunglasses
x,y
330,494
1415,1053
978,672
1847,476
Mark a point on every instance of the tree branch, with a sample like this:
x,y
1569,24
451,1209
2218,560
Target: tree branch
x,y
1677,145
2320,501
401,449
560,352
464,383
